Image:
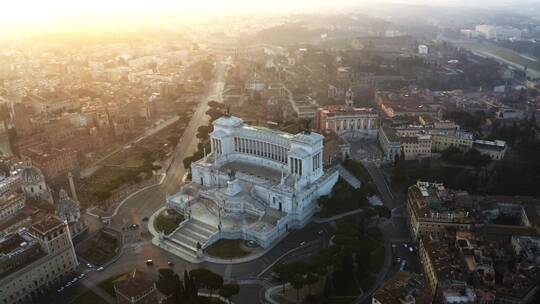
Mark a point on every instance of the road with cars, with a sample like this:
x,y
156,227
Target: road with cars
x,y
255,276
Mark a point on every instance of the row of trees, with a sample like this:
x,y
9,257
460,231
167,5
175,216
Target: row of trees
x,y
471,157
349,258
300,273
186,291
203,132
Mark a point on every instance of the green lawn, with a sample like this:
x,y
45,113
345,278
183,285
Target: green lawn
x,y
130,158
227,249
101,249
89,297
167,224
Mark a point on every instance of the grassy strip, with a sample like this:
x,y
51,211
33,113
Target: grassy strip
x,y
227,249
167,224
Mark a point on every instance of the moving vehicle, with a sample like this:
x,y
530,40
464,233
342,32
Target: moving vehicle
x,y
100,269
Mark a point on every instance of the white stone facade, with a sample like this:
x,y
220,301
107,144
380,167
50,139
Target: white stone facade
x,y
268,179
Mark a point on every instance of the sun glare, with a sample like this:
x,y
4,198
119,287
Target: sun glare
x,y
34,14
29,14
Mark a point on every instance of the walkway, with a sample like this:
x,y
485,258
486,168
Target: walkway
x,y
336,217
348,176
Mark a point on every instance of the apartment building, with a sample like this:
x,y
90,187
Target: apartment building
x,y
36,260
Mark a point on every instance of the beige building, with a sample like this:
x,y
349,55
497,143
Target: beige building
x,y
389,142
348,121
434,210
443,139
36,260
10,205
419,141
413,145
9,185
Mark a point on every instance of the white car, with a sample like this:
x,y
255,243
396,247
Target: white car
x,y
60,289
81,275
100,269
89,265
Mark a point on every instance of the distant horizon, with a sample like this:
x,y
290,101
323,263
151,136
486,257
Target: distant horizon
x,y
35,16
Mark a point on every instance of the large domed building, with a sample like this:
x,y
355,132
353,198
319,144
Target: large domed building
x,y
33,183
68,210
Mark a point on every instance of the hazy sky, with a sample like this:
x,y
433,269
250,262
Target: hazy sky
x,y
41,14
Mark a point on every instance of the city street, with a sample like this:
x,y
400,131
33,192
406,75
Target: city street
x,y
255,276
395,230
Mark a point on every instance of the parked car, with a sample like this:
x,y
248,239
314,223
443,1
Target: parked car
x,y
81,275
89,265
170,263
100,269
149,262
60,289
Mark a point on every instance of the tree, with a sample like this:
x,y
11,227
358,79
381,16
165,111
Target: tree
x,y
283,274
311,279
214,113
347,263
214,282
215,104
362,261
190,290
204,278
327,286
297,282
369,212
229,290
169,284
173,140
383,211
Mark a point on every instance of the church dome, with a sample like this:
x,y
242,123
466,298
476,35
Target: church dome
x,y
30,174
